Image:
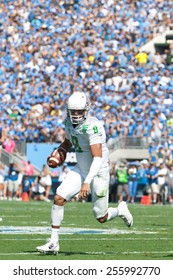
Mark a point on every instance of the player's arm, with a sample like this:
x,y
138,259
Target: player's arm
x,y
58,156
65,145
96,151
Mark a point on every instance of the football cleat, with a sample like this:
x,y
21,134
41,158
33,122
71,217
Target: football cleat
x,y
124,214
49,248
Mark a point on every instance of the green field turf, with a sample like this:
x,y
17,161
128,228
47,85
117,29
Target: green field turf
x,y
82,237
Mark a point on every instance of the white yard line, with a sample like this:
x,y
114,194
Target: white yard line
x,y
69,230
95,253
88,239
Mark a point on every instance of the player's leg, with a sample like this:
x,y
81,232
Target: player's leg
x,y
100,197
67,189
101,210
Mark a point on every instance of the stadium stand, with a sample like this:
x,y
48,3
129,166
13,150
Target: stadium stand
x,y
48,50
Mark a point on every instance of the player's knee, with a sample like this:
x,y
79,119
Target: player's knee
x,y
59,200
97,215
102,219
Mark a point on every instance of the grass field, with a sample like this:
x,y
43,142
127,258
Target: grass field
x,y
26,225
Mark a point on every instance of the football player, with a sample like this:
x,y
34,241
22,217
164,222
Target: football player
x,y
90,174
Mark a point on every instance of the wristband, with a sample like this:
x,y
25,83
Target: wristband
x,y
62,149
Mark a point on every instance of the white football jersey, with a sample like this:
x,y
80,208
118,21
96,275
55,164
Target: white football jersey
x,y
88,133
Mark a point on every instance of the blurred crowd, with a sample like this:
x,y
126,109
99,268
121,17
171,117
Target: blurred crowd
x,y
51,48
19,183
152,180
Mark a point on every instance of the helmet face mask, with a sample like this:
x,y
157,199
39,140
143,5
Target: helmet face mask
x,y
77,116
77,108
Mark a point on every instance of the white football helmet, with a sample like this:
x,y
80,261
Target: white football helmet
x,y
78,107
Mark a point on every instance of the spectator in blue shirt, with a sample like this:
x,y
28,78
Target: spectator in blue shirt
x,y
12,185
152,178
27,185
143,177
132,181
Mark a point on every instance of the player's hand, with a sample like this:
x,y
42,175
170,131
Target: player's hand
x,y
84,192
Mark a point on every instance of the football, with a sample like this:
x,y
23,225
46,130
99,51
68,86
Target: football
x,y
56,158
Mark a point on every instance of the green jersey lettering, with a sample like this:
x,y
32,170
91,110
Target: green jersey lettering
x,y
84,128
76,144
95,128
